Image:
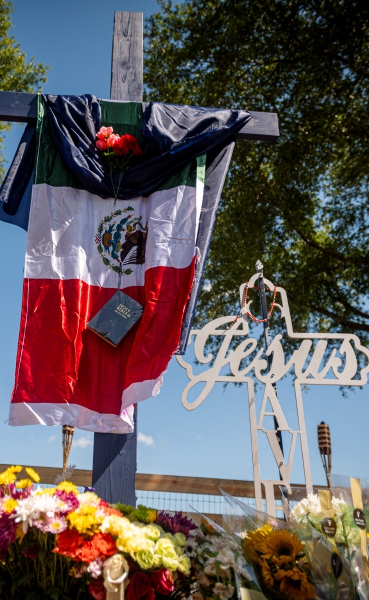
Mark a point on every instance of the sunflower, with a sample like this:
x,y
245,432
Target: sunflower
x,y
252,542
266,573
281,547
295,583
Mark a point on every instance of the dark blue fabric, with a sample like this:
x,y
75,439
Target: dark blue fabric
x,y
16,189
173,135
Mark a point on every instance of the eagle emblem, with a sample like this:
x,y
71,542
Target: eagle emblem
x,y
121,241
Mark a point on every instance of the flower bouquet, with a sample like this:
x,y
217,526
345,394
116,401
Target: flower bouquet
x,y
334,517
221,570
290,562
118,153
61,544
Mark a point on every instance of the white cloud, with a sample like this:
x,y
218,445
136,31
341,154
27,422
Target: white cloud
x,y
82,442
51,438
145,439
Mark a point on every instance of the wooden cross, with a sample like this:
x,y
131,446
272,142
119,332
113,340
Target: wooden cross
x,y
115,455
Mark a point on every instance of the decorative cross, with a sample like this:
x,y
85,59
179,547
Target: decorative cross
x,y
114,460
312,365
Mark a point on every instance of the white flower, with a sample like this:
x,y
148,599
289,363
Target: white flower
x,y
49,505
223,591
95,568
191,547
210,568
310,505
336,505
226,557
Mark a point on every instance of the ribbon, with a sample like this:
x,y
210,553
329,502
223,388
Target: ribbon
x,y
115,572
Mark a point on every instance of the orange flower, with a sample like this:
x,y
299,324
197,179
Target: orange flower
x,y
295,583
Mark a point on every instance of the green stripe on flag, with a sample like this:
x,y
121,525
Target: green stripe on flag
x,y
124,117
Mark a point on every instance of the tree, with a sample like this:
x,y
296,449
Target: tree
x,y
300,206
16,74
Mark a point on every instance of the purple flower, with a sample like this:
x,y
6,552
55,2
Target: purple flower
x,y
7,532
175,523
69,499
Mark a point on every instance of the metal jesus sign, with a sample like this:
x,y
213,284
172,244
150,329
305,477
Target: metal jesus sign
x,y
345,362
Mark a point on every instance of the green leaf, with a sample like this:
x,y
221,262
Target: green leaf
x,y
20,580
116,269
127,271
99,249
106,261
217,569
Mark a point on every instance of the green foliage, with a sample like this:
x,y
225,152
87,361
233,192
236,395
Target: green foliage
x,y
300,206
16,74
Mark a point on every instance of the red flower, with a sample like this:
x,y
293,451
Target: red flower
x,y
68,542
101,145
127,145
75,546
96,589
140,587
163,581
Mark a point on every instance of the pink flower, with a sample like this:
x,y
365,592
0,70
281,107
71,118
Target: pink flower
x,y
104,133
101,145
70,500
112,140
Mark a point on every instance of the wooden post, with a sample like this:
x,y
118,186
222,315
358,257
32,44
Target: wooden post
x,y
115,455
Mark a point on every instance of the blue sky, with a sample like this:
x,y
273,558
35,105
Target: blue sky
x,y
74,38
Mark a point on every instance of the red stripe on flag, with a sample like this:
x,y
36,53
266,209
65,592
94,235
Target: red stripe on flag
x,y
60,361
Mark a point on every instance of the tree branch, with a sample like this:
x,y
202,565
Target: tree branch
x,y
337,255
344,302
349,324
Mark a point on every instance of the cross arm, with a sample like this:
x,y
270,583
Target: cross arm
x,y
22,107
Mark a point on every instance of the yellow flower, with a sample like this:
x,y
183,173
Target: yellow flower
x,y
67,487
116,526
23,483
295,583
48,491
85,519
89,498
9,505
253,540
267,573
9,476
151,515
32,474
281,547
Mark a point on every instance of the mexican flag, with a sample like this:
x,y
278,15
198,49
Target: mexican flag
x,y
77,244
